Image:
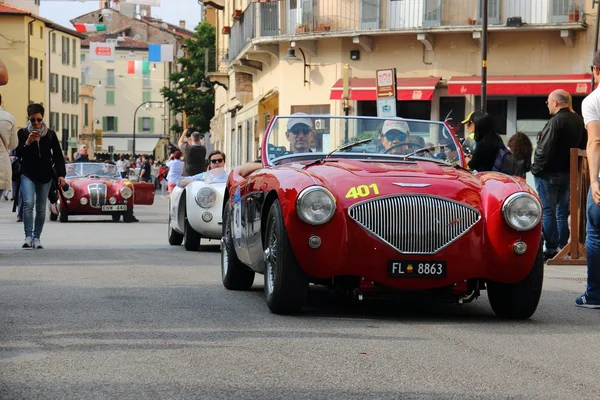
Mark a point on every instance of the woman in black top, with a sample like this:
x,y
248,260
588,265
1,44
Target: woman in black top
x,y
522,148
41,158
488,142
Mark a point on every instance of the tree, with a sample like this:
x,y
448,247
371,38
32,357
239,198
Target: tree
x,y
183,95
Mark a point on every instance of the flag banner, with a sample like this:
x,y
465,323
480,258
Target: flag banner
x,y
90,27
138,67
160,52
155,3
102,51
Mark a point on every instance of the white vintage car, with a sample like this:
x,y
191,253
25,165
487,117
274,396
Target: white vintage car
x,y
195,210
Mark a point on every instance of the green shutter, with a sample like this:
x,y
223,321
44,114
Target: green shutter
x,y
104,124
140,125
116,124
110,97
151,125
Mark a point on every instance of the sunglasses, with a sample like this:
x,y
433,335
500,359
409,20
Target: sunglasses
x,y
216,161
36,119
297,131
396,136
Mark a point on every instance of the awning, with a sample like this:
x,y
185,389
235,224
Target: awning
x,y
521,85
408,88
250,110
125,145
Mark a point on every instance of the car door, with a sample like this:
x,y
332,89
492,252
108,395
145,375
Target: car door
x,y
143,193
238,221
255,197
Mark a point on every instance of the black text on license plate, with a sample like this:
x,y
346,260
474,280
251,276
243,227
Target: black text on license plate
x,y
420,269
114,208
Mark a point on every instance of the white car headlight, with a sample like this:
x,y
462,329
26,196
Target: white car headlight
x,y
522,211
315,205
206,197
126,192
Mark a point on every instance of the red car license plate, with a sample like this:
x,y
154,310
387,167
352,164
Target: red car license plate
x,y
420,268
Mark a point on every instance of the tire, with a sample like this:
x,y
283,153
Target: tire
x,y
175,238
128,216
234,274
116,217
63,215
191,238
286,284
518,300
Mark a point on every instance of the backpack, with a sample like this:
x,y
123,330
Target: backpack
x,y
505,161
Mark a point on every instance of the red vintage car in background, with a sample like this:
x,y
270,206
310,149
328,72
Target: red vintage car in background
x,y
368,207
98,189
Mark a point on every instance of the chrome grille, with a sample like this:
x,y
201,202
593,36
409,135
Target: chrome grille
x,y
97,193
415,224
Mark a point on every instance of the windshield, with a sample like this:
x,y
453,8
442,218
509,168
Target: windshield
x,y
305,135
75,170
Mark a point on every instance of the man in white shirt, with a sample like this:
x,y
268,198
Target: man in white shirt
x,y
123,166
591,116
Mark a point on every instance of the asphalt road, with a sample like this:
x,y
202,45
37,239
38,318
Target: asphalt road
x,y
110,311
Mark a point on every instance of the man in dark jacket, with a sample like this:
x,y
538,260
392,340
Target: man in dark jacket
x,y
194,152
550,168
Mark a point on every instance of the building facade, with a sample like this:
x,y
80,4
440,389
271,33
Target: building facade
x,y
286,56
89,133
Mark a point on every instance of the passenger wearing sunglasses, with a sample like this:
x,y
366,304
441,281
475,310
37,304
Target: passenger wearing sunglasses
x,y
393,133
216,165
41,158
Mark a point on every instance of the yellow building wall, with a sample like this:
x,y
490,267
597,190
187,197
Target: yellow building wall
x,y
13,51
37,49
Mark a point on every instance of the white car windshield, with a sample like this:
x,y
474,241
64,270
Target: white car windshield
x,y
305,135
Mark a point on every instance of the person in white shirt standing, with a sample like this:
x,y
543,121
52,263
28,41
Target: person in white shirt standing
x,y
591,116
8,142
123,166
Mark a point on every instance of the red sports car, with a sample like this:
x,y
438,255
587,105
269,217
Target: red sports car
x,y
370,206
98,189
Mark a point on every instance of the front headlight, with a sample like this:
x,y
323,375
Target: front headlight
x,y
206,197
126,192
315,205
522,211
69,193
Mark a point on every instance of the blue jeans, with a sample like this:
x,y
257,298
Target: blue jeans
x,y
34,194
592,249
553,190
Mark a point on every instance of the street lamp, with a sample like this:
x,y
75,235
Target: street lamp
x,y
291,58
146,104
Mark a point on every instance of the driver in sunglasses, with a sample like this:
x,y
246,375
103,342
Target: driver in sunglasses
x,y
300,134
216,165
393,134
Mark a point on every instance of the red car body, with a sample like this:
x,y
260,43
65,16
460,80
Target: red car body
x,y
411,210
91,193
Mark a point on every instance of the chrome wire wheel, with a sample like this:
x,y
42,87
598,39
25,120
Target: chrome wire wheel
x,y
271,261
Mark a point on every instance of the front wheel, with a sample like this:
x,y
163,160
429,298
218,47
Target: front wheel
x,y
175,238
234,274
191,238
518,300
286,284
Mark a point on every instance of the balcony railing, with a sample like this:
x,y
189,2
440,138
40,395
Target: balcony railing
x,y
290,17
215,61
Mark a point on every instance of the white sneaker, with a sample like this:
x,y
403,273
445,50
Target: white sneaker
x,y
28,243
37,244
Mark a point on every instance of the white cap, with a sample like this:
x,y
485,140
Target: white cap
x,y
297,119
388,125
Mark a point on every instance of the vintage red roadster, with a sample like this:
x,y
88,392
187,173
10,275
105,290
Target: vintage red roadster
x,y
368,207
98,189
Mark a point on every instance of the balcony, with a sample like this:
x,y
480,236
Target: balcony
x,y
215,62
291,18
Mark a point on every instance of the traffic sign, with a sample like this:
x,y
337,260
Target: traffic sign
x,y
386,107
386,83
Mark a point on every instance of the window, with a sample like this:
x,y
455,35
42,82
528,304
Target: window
x,y
67,51
53,83
498,109
74,125
53,42
110,97
248,140
63,49
35,68
74,91
30,29
147,81
110,124
65,125
66,89
110,77
146,96
30,67
86,114
82,58
42,70
74,43
41,32
238,151
146,124
453,106
54,121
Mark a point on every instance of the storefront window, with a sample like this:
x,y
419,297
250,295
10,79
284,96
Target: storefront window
x,y
497,108
404,109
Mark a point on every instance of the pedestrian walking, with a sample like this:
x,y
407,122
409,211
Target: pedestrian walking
x,y
9,141
175,166
591,116
550,168
41,158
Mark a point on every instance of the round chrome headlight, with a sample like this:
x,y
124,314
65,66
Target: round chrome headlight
x,y
206,197
126,192
522,211
315,205
69,193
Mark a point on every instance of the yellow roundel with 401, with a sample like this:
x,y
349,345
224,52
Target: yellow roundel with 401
x,y
362,191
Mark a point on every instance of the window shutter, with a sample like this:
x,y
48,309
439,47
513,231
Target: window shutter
x,y
140,124
104,124
116,124
151,125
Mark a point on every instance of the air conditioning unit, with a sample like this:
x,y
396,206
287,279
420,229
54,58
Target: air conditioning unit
x,y
320,124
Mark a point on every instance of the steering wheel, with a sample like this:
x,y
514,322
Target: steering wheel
x,y
93,175
415,146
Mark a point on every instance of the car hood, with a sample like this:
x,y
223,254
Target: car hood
x,y
413,168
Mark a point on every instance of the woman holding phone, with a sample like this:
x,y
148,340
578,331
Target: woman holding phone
x,y
42,160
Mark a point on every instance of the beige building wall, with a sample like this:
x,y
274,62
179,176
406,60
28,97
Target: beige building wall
x,y
33,6
87,127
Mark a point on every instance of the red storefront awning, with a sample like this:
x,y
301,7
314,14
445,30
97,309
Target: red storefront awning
x,y
524,85
408,89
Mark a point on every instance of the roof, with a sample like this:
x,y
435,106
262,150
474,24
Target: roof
x,y
127,43
6,9
10,10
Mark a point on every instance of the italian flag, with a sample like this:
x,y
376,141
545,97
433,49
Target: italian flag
x,y
90,27
138,67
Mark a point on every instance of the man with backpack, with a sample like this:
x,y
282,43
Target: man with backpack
x,y
564,131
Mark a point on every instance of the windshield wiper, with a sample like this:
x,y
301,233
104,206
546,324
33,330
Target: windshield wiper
x,y
439,146
342,147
